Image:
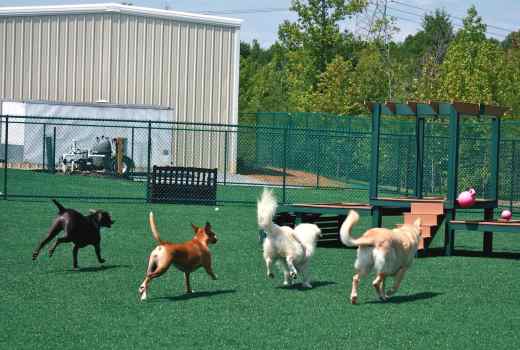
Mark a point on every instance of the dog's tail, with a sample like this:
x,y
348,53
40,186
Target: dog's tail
x,y
346,228
153,227
61,208
265,209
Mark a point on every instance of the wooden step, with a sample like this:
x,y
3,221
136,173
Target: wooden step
x,y
427,208
426,219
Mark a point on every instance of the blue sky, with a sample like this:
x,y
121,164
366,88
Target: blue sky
x,y
500,15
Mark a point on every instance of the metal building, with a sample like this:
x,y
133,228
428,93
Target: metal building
x,y
125,55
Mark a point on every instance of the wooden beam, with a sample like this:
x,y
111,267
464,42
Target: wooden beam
x,y
466,108
369,105
495,111
412,105
391,106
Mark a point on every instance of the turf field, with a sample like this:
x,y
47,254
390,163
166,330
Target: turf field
x,y
455,302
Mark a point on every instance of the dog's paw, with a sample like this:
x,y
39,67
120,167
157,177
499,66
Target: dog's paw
x,y
35,255
390,292
293,275
142,293
102,261
353,299
270,275
384,298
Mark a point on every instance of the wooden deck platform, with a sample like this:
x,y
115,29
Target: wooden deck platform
x,y
328,217
488,227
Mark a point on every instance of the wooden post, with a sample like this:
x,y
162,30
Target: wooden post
x,y
376,131
419,163
495,156
449,236
453,157
488,236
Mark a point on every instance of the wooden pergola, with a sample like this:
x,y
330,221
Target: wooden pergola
x,y
454,111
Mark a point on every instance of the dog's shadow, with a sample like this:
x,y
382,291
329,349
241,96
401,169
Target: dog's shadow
x,y
188,296
300,287
92,269
399,299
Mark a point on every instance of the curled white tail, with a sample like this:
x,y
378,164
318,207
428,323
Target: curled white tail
x,y
153,227
265,210
346,228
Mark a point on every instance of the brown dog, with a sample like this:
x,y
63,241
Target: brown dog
x,y
187,256
388,252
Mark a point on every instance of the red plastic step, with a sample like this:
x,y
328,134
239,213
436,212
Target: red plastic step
x,y
427,208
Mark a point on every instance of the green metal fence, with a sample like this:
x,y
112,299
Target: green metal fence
x,y
344,153
305,163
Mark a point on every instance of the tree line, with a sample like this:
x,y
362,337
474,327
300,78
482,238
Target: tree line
x,y
314,66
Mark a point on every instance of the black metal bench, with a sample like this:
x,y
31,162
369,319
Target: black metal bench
x,y
170,184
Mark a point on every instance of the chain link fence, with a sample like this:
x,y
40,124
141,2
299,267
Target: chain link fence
x,y
114,159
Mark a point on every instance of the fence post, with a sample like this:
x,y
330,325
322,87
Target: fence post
x,y
318,158
43,146
6,155
53,150
513,175
225,155
148,161
284,184
133,134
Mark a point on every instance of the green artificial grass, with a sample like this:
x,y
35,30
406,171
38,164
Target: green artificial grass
x,y
445,302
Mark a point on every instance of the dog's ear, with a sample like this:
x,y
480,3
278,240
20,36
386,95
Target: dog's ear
x,y
92,211
207,227
195,228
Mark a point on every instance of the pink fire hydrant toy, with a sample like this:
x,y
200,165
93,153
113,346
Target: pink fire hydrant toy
x,y
467,198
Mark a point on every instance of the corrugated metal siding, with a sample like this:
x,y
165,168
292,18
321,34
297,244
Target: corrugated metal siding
x,y
126,59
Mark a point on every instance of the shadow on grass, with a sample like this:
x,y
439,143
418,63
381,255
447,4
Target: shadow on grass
x,y
193,295
436,252
398,299
300,287
92,269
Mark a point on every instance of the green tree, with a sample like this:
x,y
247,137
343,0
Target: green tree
x,y
369,82
317,29
470,71
331,93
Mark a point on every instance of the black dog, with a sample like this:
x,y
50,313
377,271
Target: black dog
x,y
79,229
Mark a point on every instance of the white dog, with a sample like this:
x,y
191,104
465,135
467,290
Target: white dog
x,y
291,248
388,252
